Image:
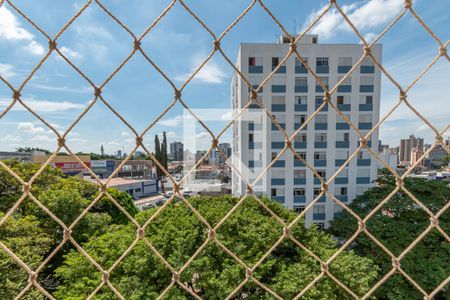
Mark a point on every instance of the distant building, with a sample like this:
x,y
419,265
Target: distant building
x,y
20,156
103,168
390,156
436,156
135,169
68,164
226,149
136,188
176,151
406,146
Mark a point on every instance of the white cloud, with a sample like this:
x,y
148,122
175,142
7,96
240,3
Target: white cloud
x,y
63,88
369,37
7,70
12,30
43,106
34,48
365,15
70,53
173,122
43,138
11,138
113,143
210,73
125,133
30,127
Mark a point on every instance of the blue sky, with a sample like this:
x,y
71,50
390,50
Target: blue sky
x,y
97,45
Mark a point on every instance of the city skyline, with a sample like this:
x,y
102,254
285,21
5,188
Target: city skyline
x,y
59,94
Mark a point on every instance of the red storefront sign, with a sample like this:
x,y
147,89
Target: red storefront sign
x,y
71,165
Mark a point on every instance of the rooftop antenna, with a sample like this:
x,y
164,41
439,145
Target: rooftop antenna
x,y
295,26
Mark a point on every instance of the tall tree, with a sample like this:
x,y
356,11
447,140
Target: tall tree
x,y
397,225
165,157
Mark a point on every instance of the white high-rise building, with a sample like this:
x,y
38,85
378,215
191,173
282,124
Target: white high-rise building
x,y
292,95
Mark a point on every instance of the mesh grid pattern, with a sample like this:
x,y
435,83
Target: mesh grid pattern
x,y
441,56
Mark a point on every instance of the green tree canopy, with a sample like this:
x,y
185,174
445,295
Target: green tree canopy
x,y
396,226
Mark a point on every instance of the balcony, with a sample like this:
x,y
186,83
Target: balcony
x,y
322,69
362,180
282,125
297,126
366,88
254,164
256,86
301,88
341,180
320,145
320,163
321,126
278,145
342,126
279,164
344,69
278,198
301,70
301,107
339,162
319,88
317,180
251,126
366,107
299,199
253,145
278,88
255,69
367,69
281,70
344,107
365,125
344,89
300,145
318,216
342,198
301,181
277,181
363,162
278,107
298,163
322,199
254,106
342,144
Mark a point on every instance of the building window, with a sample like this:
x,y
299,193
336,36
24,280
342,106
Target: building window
x,y
347,81
273,192
322,61
340,99
314,40
319,209
367,80
299,173
343,191
322,173
299,63
299,192
301,81
302,155
317,192
255,61
365,118
299,209
320,137
320,226
321,119
301,99
275,61
320,155
299,119
343,173
367,62
324,80
301,137
274,155
250,137
363,172
344,61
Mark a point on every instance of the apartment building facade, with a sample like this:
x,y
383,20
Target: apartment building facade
x,y
326,142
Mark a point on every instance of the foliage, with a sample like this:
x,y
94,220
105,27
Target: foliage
x,y
176,233
398,223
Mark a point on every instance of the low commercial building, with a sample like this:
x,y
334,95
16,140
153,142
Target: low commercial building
x,y
68,164
136,188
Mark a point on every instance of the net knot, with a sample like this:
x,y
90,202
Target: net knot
x,y
288,143
177,94
97,91
286,231
439,139
403,95
140,233
105,276
16,95
253,95
249,189
176,276
137,45
26,188
293,46
324,267
215,142
176,188
332,1
361,226
395,263
326,96
32,277
399,181
138,141
363,142
51,45
103,187
442,51
408,4
324,187
248,273
216,45
434,221
61,142
211,233
67,233
367,51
